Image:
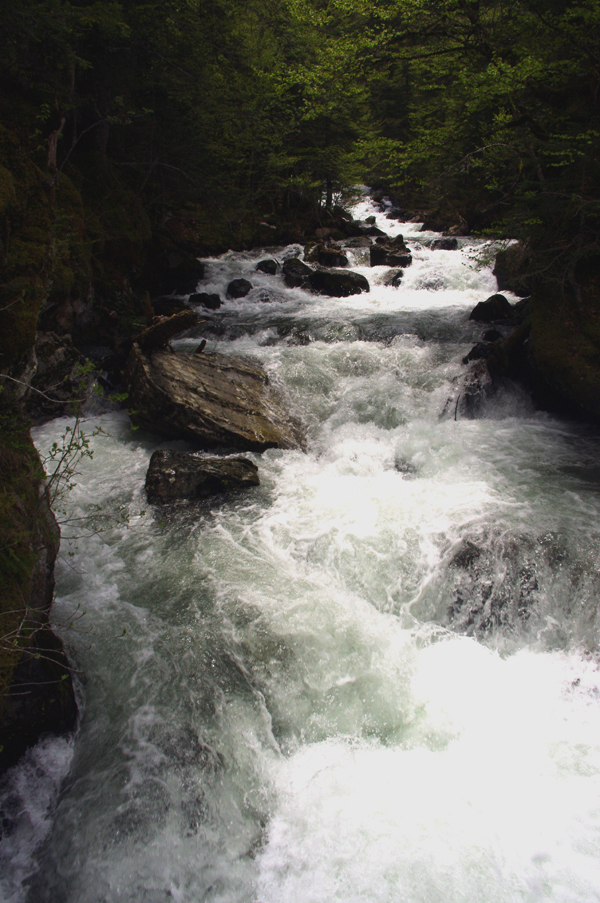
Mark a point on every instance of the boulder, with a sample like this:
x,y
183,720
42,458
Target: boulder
x,y
492,335
160,333
267,266
337,284
295,273
444,244
393,278
397,213
326,256
510,269
204,299
472,390
390,253
214,400
372,230
238,288
480,351
173,476
360,241
496,307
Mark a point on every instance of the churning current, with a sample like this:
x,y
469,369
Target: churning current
x,y
372,679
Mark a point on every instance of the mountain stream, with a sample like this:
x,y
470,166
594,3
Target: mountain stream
x,y
372,679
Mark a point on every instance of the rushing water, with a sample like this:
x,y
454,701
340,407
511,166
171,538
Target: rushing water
x,y
373,678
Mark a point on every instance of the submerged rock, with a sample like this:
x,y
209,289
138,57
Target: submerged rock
x,y
173,476
496,307
472,390
215,400
393,278
209,301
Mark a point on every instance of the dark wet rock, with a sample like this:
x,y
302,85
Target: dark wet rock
x,y
298,338
326,256
267,266
444,244
40,699
266,296
238,288
394,244
405,467
62,378
295,273
396,213
173,476
160,333
492,335
393,278
441,221
371,220
480,351
373,230
493,580
431,284
360,241
211,301
496,307
167,306
511,269
181,276
472,390
215,400
337,284
391,252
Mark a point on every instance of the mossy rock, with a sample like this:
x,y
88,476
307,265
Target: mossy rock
x,y
36,692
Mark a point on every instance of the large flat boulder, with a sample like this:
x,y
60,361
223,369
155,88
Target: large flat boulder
x,y
214,400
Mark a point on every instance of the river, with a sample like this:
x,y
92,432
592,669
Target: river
x,y
372,679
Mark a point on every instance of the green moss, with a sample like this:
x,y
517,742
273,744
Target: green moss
x,y
21,531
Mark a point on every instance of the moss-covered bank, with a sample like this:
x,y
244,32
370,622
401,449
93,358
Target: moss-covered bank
x,y
36,690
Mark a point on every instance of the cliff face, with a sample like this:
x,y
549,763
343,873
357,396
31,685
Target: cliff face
x,y
36,689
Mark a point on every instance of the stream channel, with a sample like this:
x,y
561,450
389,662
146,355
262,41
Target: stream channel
x,y
372,679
